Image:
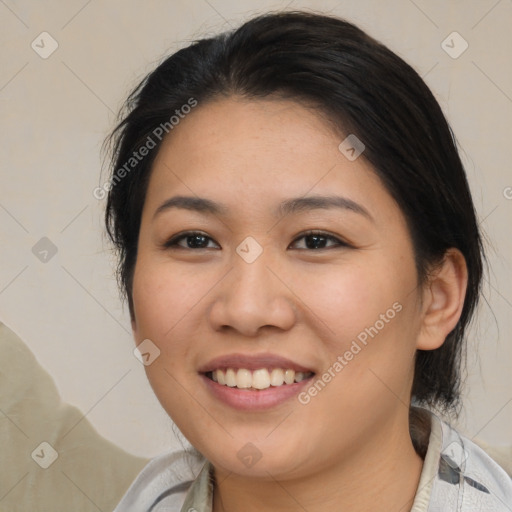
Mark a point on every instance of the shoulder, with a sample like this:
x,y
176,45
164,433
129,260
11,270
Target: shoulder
x,y
467,476
501,454
166,477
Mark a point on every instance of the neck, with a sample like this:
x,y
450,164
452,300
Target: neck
x,y
385,471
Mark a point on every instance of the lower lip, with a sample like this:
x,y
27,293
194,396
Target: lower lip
x,y
247,400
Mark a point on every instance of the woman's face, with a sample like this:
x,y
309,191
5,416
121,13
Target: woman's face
x,y
254,293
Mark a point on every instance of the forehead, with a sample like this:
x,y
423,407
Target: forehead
x,y
255,153
237,128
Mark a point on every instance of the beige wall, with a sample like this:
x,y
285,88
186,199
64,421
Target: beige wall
x,y
56,111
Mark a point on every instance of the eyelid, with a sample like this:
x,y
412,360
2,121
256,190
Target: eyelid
x,y
173,241
325,234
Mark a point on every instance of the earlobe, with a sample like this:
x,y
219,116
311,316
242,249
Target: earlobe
x,y
443,300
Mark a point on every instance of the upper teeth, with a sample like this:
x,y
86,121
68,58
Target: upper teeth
x,y
257,379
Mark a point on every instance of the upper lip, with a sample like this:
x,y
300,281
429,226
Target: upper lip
x,y
252,362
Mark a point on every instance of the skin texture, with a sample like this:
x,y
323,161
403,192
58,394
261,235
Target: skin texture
x,y
349,447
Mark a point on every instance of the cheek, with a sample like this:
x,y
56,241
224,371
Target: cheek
x,y
163,299
348,299
369,315
163,296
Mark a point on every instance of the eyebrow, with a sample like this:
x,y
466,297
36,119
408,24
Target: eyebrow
x,y
286,207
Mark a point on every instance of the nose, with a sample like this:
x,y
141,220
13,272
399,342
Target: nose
x,y
251,297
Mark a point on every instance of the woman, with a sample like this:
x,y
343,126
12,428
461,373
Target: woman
x,y
301,258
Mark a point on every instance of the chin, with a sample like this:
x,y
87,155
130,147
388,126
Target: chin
x,y
264,460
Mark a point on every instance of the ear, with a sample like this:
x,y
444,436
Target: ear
x,y
443,300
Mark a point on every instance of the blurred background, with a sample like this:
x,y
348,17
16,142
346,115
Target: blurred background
x,y
66,69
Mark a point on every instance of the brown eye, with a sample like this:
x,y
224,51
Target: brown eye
x,y
192,240
318,240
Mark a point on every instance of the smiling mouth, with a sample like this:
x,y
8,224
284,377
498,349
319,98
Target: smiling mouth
x,y
257,380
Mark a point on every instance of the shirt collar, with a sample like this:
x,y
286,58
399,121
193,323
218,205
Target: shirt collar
x,y
200,495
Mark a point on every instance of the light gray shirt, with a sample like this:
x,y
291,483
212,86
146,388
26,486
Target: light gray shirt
x,y
457,476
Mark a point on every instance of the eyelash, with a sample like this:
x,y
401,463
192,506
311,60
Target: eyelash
x,y
172,243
